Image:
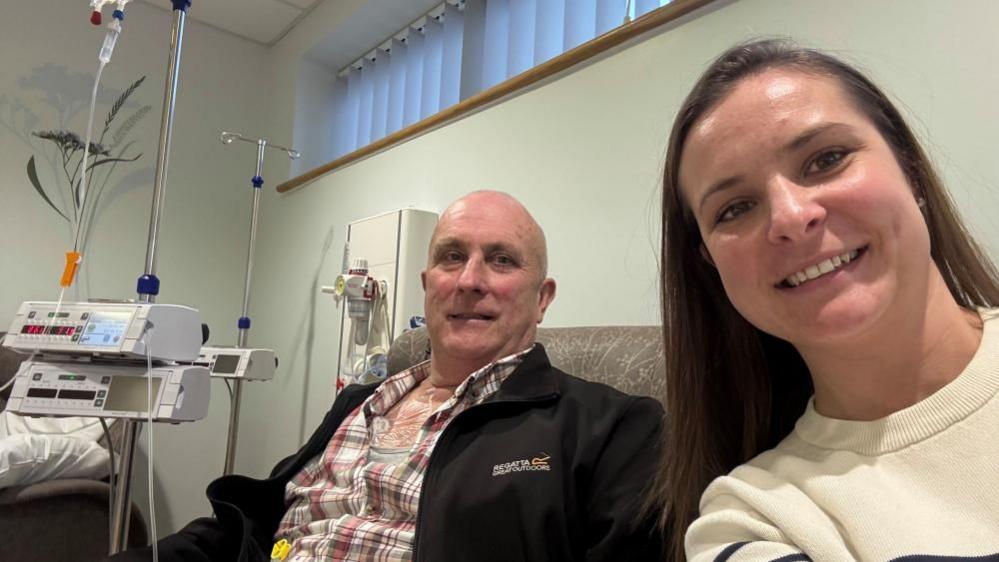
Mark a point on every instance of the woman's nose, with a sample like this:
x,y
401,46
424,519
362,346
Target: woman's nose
x,y
794,211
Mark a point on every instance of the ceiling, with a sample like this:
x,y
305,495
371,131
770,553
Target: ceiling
x,y
262,21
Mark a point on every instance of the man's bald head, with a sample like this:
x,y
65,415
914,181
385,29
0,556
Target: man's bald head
x,y
507,206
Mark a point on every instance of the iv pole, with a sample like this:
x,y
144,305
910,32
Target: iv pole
x,y
244,319
148,285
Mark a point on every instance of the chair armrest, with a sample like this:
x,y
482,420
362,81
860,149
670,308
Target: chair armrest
x,y
54,488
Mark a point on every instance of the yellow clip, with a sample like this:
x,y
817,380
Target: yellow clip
x,y
69,272
280,550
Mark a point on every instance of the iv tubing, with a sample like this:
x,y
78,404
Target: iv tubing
x,y
110,40
82,192
75,258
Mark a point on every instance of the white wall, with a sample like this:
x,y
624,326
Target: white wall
x,y
584,153
202,248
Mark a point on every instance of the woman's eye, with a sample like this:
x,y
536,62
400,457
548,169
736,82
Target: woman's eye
x,y
825,161
734,210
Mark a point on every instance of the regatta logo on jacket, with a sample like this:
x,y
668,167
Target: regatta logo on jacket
x,y
523,465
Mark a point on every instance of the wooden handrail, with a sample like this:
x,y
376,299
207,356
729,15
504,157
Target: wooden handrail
x,y
658,17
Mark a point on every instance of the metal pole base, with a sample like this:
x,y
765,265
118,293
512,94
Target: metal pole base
x,y
230,447
122,496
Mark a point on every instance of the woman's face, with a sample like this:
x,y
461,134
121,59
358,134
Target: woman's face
x,y
804,210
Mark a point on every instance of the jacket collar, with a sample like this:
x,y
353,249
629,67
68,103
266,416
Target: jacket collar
x,y
533,379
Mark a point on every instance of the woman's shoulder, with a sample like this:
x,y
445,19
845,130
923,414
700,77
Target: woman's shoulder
x,y
775,471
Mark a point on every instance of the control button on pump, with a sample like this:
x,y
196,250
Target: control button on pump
x,y
36,377
99,402
102,393
31,314
105,380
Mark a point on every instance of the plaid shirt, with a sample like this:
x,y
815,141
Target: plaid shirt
x,y
343,506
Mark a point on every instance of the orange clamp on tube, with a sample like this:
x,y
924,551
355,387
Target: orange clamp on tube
x,y
72,264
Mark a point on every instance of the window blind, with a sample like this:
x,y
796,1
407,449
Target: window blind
x,y
457,50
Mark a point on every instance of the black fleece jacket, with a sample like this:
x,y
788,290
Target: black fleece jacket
x,y
487,495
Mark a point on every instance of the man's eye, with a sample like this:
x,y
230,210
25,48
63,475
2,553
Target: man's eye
x,y
451,257
503,260
826,161
734,210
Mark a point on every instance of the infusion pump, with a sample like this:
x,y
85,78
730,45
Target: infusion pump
x,y
180,393
238,363
129,330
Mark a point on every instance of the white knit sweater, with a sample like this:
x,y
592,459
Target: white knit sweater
x,y
921,484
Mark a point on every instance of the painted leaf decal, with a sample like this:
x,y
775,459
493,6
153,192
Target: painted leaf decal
x,y
33,176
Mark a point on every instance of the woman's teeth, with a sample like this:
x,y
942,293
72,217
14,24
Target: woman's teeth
x,y
821,268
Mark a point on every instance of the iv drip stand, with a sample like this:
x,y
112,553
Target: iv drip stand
x,y
148,283
244,319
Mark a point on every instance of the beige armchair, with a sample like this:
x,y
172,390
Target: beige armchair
x,y
628,358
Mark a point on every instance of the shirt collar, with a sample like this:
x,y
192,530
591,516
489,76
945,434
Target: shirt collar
x,y
489,376
495,373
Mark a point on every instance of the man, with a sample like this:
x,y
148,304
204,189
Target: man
x,y
484,453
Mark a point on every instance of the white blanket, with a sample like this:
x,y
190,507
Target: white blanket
x,y
37,449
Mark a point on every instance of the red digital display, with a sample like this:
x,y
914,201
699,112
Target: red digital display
x,y
38,329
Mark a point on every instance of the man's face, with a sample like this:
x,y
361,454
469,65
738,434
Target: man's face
x,y
484,284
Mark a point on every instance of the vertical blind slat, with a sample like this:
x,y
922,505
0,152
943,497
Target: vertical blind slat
x,y
397,86
353,106
610,14
430,99
472,47
580,22
549,28
367,95
522,26
379,101
414,78
496,40
643,7
342,143
451,64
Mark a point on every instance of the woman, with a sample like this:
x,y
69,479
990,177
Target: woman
x,y
825,326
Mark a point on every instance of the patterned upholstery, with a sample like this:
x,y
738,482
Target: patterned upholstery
x,y
629,358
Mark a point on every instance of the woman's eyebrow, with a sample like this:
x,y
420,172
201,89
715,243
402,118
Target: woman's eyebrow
x,y
716,187
807,135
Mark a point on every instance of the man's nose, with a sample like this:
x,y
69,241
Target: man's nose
x,y
795,212
472,276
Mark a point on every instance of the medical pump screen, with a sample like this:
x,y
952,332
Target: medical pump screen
x,y
226,364
106,328
128,394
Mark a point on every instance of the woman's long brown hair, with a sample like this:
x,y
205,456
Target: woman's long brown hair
x,y
733,391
